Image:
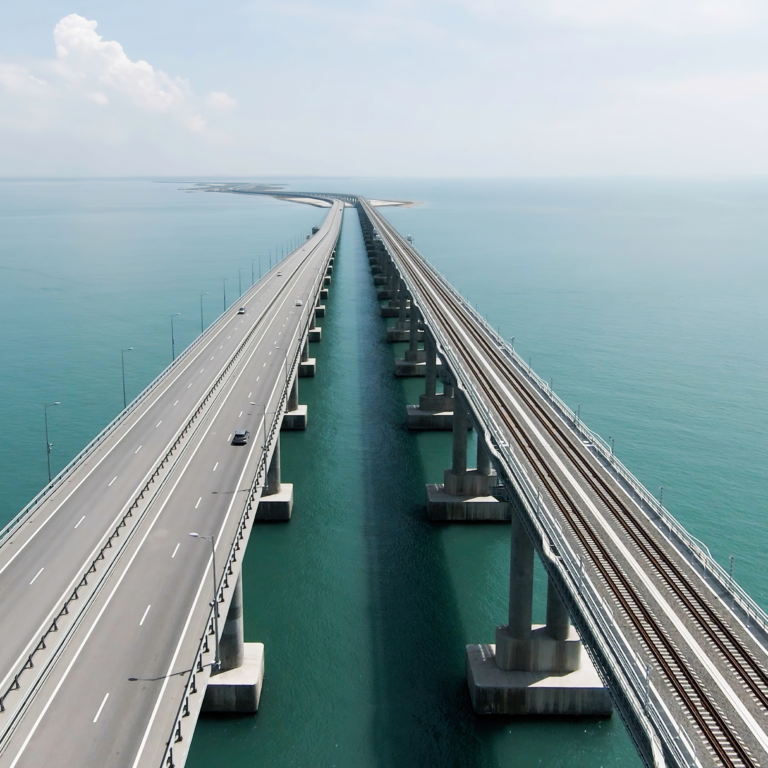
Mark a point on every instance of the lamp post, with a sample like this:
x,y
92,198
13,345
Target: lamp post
x,y
173,337
264,421
48,444
224,283
202,327
252,278
122,362
215,603
240,280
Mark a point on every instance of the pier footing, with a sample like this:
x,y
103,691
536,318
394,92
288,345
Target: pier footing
x,y
417,418
307,368
458,508
276,507
295,420
497,691
237,690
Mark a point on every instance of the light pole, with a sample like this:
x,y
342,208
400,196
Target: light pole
x,y
122,361
240,280
48,444
260,258
252,278
224,283
215,603
202,327
173,338
661,496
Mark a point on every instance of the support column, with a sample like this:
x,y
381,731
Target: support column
x,y
307,364
433,411
319,308
276,502
414,362
529,671
314,333
403,306
295,415
237,685
232,643
558,620
464,496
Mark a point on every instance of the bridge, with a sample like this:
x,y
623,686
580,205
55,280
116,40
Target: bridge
x,y
124,627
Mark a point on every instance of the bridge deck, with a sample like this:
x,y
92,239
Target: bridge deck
x,y
127,657
708,668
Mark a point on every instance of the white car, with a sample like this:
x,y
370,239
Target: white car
x,y
279,274
241,311
298,302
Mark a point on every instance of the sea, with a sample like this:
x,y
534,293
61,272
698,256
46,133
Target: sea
x,y
643,301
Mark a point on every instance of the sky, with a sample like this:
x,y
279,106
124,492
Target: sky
x,y
402,88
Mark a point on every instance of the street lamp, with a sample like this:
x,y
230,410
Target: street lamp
x,y
122,361
215,603
264,407
173,338
225,293
240,280
252,278
202,327
48,444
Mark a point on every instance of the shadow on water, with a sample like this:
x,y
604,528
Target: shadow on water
x,y
422,712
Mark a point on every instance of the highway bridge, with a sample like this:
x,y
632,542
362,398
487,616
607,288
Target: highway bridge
x,y
111,638
105,597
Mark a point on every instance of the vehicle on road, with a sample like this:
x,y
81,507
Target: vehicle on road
x,y
298,302
241,311
279,274
241,437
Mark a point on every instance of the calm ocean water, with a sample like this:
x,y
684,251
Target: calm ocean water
x,y
645,302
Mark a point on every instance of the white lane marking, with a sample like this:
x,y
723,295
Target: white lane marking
x,y
80,520
212,358
147,611
270,351
198,502
229,438
257,378
203,583
100,708
241,413
189,385
215,465
112,481
36,575
229,337
698,651
159,423
249,394
201,370
48,704
221,347
176,403
264,366
137,450
175,550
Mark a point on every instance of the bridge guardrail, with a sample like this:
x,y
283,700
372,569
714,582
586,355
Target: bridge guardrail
x,y
640,694
252,500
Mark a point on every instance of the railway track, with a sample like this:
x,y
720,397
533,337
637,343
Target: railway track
x,y
714,726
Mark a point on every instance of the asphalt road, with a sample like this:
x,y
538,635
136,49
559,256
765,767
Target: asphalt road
x,y
107,701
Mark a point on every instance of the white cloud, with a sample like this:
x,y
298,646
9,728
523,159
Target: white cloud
x,y
221,101
17,79
85,58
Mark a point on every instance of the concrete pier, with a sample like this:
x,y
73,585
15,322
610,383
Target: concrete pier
x,y
277,502
295,417
236,687
433,411
533,669
307,364
315,331
414,362
465,495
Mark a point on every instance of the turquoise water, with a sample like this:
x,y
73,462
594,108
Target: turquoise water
x,y
645,302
